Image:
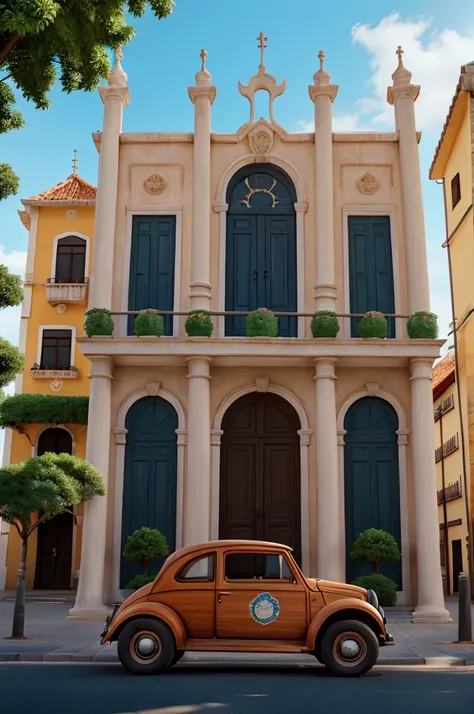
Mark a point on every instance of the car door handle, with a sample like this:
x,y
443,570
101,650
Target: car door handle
x,y
222,594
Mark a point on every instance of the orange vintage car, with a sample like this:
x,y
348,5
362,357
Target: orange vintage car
x,y
245,596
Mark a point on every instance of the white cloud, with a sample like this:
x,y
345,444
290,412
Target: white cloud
x,y
349,121
434,57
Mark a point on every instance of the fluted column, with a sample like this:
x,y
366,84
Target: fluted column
x,y
202,96
90,592
323,94
115,97
403,95
330,545
430,603
197,493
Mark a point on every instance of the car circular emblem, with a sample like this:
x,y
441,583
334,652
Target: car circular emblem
x,y
264,609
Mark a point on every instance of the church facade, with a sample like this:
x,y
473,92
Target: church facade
x,y
293,439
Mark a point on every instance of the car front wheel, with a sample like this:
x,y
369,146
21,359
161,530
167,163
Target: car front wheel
x,y
146,646
349,648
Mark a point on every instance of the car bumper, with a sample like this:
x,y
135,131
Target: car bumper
x,y
386,639
108,621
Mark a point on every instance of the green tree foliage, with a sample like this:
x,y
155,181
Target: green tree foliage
x,y
35,491
144,546
385,588
375,547
11,295
45,40
42,409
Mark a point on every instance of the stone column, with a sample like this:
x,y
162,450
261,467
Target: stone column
x,y
323,94
115,97
403,95
197,492
90,592
430,603
202,96
330,546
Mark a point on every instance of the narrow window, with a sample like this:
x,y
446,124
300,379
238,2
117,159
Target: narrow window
x,y
455,190
56,349
70,260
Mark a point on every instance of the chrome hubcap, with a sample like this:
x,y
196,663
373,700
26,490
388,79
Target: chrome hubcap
x,y
349,649
146,646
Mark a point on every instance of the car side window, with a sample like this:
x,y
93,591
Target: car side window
x,y
200,569
258,566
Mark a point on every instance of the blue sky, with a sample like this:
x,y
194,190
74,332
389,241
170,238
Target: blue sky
x,y
359,40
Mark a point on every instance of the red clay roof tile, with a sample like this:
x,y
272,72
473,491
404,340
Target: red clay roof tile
x,y
74,188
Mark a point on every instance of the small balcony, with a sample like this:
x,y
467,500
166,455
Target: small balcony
x,y
39,372
62,292
450,493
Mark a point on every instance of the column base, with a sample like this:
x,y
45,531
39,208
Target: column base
x,y
431,614
93,612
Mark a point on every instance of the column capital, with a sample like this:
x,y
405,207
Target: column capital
x,y
207,91
340,437
216,437
402,435
409,90
198,367
112,92
301,206
182,435
221,207
325,368
325,290
305,436
101,366
120,435
323,90
421,368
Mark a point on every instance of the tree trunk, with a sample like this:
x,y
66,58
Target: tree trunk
x,y
18,628
376,567
13,40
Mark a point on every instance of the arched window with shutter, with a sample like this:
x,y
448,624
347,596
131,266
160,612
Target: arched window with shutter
x,y
70,260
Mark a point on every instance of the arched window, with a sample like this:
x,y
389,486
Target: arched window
x,y
70,260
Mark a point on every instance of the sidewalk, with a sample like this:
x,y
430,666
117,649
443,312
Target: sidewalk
x,y
53,638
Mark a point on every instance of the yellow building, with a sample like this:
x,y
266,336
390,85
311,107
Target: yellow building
x,y
60,223
449,472
453,163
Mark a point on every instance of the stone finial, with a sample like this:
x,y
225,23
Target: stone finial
x,y
401,77
203,77
117,76
74,163
261,39
322,76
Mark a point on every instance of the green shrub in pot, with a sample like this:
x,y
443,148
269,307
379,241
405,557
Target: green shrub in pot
x,y
325,324
199,324
373,324
262,323
149,323
423,326
98,321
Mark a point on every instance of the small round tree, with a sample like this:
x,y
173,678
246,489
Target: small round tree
x,y
376,547
11,295
35,491
144,546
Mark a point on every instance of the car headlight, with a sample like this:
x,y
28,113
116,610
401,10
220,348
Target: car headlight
x,y
373,599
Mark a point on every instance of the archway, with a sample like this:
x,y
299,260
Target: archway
x,y
371,479
261,268
260,487
54,545
150,475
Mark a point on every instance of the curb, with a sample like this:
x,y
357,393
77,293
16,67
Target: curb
x,y
92,655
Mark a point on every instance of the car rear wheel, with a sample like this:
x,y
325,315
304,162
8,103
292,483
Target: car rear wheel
x,y
146,646
178,655
349,648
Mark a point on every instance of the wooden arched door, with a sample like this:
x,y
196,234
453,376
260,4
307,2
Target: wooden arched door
x,y
54,545
149,486
260,471
261,246
371,477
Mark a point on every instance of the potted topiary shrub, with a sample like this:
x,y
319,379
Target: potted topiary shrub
x,y
376,547
261,323
199,324
98,321
325,324
145,546
149,323
423,326
373,325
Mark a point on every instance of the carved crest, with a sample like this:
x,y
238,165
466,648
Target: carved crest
x,y
154,184
56,385
261,141
368,184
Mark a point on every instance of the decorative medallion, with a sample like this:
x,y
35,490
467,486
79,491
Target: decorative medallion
x,y
61,308
155,184
56,385
264,609
261,141
71,215
368,184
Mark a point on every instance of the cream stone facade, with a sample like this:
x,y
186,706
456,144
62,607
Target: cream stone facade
x,y
262,437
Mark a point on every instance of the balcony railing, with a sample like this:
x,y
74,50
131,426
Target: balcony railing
x,y
63,292
452,491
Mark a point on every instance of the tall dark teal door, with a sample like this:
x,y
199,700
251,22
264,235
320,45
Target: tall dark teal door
x,y
152,266
149,489
371,479
261,247
371,268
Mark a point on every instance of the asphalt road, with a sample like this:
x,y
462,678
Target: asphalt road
x,y
107,689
